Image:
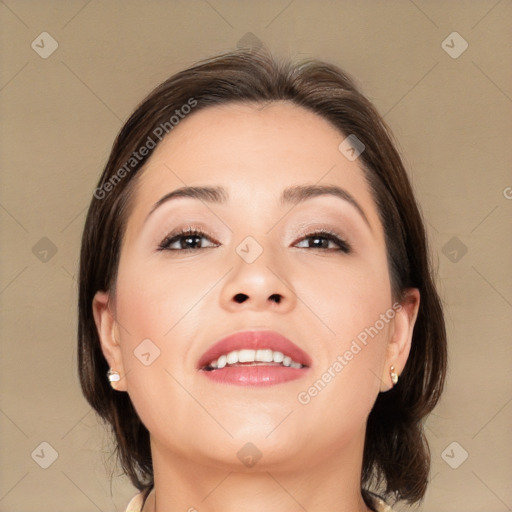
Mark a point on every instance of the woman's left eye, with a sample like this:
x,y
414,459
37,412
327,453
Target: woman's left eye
x,y
322,239
188,239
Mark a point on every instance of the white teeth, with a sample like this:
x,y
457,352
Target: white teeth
x,y
254,356
232,357
246,356
278,357
264,356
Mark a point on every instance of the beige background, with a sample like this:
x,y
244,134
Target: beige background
x,y
452,117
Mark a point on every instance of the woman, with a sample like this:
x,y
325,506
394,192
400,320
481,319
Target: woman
x,y
258,320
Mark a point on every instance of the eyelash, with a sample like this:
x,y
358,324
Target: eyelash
x,y
343,246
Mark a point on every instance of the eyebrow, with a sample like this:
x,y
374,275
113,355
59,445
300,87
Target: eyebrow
x,y
291,195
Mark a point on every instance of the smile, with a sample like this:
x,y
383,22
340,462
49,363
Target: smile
x,y
254,358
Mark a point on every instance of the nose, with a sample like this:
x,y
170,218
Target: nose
x,y
261,285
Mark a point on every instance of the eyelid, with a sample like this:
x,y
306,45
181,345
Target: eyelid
x,y
312,229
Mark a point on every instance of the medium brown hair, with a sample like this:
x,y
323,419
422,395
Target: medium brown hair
x,y
396,457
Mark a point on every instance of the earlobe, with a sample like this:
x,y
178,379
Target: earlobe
x,y
106,327
400,343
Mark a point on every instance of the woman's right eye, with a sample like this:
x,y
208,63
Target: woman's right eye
x,y
186,240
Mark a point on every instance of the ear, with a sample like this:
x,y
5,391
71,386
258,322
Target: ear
x,y
399,346
108,333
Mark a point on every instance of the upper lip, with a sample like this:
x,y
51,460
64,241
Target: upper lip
x,y
255,339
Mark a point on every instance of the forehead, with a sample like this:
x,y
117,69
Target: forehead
x,y
256,146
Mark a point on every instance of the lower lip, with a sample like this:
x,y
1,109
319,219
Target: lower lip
x,y
255,375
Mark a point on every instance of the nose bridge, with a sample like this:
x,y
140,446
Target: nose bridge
x,y
257,280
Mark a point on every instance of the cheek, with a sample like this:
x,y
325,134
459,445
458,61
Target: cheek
x,y
154,298
347,295
158,314
163,307
346,382
353,300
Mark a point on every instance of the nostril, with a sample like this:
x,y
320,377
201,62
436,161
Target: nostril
x,y
242,297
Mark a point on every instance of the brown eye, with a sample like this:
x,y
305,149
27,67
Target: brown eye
x,y
325,240
186,240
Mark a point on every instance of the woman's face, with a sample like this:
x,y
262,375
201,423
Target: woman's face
x,y
176,298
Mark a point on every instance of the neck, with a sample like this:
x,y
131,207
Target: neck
x,y
182,484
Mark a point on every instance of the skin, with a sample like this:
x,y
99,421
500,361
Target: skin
x,y
185,301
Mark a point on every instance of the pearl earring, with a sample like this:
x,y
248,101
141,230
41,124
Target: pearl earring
x,y
394,375
113,377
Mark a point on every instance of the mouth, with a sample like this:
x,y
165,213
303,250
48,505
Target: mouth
x,y
254,358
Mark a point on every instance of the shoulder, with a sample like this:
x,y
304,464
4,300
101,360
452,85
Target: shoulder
x,y
136,502
380,505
